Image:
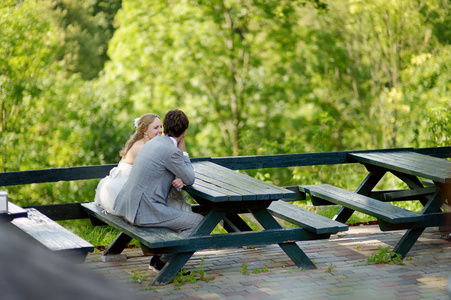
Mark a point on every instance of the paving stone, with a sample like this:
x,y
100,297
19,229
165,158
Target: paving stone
x,y
424,275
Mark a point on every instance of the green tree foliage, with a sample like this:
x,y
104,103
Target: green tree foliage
x,y
29,47
222,61
255,78
87,27
50,116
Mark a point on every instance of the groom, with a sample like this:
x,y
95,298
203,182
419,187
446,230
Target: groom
x,y
142,200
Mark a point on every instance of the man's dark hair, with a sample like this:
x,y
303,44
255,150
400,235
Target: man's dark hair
x,y
175,123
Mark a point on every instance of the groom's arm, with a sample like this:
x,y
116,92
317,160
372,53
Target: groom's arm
x,y
180,166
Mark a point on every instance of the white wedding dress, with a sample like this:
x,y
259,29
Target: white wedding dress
x,y
110,186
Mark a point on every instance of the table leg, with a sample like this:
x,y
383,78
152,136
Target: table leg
x,y
178,260
290,248
365,188
118,245
370,181
343,215
211,219
171,269
412,235
234,223
407,241
412,182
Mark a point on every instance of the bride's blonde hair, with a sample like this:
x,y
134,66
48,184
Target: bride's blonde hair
x,y
141,127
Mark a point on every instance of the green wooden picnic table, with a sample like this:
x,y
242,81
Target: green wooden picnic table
x,y
412,168
224,194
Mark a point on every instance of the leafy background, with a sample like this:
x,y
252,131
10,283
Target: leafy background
x,y
254,77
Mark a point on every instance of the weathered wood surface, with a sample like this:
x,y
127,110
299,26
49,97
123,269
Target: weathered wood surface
x,y
219,184
157,238
53,236
364,204
407,162
305,219
154,238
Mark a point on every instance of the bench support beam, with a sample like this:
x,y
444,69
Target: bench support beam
x,y
118,245
290,248
365,188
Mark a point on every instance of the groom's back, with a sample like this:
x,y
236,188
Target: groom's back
x,y
148,178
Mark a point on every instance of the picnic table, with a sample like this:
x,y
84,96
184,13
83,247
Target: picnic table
x,y
411,168
222,195
225,194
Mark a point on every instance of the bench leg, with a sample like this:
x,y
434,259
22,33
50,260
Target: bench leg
x,y
211,219
178,260
365,188
412,235
297,256
171,269
146,250
118,245
290,248
343,215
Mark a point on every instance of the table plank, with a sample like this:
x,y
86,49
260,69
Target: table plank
x,y
210,193
219,178
226,177
364,204
224,187
411,163
53,236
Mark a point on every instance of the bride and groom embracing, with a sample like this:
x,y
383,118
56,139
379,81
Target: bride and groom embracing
x,y
147,180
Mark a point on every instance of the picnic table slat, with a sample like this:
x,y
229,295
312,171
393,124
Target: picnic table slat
x,y
210,193
223,187
156,236
367,205
229,177
252,186
410,163
14,211
52,235
305,219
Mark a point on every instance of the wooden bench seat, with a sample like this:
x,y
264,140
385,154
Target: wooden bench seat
x,y
162,240
305,219
153,237
381,210
53,236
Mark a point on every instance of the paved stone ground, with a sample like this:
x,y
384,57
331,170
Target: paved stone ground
x,y
342,271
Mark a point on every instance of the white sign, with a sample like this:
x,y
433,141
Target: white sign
x,y
3,202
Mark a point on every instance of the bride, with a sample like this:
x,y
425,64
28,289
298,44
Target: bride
x,y
147,127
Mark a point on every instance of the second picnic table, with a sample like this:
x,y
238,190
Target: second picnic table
x,y
411,168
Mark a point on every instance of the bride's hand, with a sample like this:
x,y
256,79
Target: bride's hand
x,y
178,183
181,145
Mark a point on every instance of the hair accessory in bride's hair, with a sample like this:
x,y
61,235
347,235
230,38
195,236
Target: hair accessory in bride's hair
x,y
136,122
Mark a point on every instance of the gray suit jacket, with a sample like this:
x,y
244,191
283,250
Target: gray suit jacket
x,y
143,198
